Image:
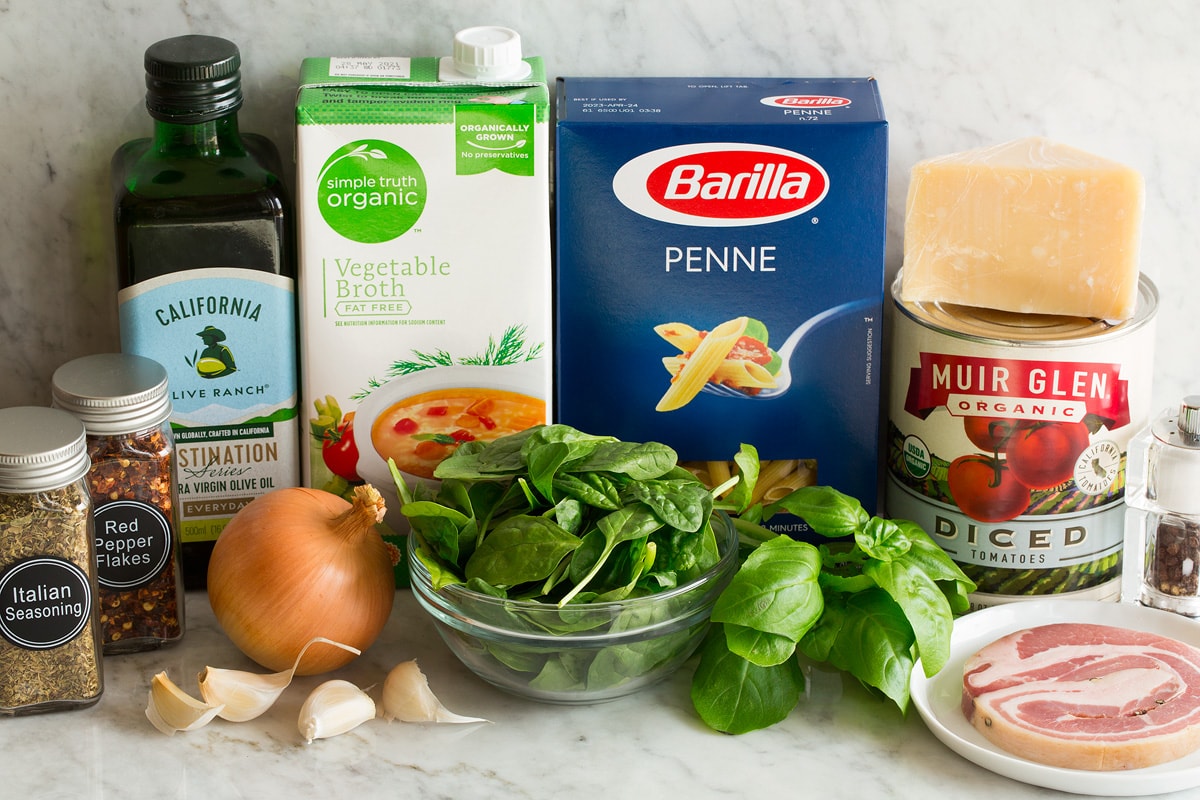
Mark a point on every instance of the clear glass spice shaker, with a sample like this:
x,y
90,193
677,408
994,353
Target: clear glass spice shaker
x,y
1162,515
50,652
123,402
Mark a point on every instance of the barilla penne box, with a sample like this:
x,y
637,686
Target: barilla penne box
x,y
720,272
424,278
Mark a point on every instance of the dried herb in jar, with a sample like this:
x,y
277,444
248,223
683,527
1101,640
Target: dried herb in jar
x,y
50,652
122,400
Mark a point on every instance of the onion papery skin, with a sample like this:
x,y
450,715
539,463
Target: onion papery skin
x,y
299,563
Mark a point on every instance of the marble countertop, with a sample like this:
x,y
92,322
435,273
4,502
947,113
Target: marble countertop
x,y
839,743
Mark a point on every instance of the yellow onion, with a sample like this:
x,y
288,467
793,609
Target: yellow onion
x,y
296,564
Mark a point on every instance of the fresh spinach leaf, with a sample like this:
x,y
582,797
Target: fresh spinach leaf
x,y
623,525
520,549
543,464
682,504
640,461
597,491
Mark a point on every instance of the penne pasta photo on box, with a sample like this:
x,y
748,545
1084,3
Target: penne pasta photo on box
x,y
719,277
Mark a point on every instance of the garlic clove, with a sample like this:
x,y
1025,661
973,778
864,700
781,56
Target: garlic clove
x,y
333,708
408,698
246,695
170,709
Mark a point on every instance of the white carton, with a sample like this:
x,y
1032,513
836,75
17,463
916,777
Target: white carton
x,y
424,278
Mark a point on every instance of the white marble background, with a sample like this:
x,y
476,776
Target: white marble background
x,y
1117,77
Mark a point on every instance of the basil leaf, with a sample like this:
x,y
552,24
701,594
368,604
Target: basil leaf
x,y
732,695
775,591
758,647
873,642
883,539
924,606
743,491
826,510
928,556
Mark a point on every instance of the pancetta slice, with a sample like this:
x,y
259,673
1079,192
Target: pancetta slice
x,y
1086,696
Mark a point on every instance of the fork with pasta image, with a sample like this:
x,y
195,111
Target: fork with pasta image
x,y
733,354
734,358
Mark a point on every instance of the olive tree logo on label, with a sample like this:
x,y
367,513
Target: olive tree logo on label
x,y
371,191
721,184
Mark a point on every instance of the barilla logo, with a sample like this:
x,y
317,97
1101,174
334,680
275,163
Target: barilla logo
x,y
720,184
806,101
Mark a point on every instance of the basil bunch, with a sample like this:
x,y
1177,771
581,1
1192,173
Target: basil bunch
x,y
870,602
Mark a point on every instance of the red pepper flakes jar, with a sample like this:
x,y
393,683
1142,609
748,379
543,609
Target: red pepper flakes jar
x,y
123,403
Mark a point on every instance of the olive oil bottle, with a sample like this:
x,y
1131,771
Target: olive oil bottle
x,y
206,264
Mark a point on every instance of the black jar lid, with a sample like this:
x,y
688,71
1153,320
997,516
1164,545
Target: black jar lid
x,y
193,78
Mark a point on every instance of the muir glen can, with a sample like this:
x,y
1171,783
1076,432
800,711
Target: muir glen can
x,y
1007,438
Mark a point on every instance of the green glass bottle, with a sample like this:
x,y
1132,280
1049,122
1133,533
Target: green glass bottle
x,y
205,253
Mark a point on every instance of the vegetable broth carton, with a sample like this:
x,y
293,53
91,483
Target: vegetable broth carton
x,y
424,278
720,272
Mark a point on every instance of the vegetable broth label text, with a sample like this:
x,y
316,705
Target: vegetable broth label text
x,y
222,334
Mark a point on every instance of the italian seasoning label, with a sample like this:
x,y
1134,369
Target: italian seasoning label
x,y
225,337
44,603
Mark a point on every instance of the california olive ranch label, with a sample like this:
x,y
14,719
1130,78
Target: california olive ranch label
x,y
224,336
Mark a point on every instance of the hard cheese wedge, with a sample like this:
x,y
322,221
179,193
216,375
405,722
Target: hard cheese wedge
x,y
1029,226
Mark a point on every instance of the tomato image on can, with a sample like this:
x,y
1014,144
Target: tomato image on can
x,y
1007,436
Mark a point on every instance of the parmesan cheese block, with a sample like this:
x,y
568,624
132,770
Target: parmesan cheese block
x,y
1029,226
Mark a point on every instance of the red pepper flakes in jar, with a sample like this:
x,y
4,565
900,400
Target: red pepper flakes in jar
x,y
123,403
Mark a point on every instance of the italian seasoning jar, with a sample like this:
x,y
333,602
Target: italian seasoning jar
x,y
122,400
50,651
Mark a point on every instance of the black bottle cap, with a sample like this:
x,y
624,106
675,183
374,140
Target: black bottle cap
x,y
193,78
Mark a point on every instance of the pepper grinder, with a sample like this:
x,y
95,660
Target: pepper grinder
x,y
1162,516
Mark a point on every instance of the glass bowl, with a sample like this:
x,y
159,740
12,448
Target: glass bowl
x,y
580,653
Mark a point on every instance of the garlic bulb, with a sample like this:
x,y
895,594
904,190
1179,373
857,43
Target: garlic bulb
x,y
246,695
333,708
170,709
408,698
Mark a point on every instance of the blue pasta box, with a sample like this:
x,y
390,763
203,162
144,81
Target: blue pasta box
x,y
719,276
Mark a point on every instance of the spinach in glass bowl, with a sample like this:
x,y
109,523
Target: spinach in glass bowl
x,y
568,567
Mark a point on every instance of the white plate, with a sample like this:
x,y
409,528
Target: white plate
x,y
939,699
